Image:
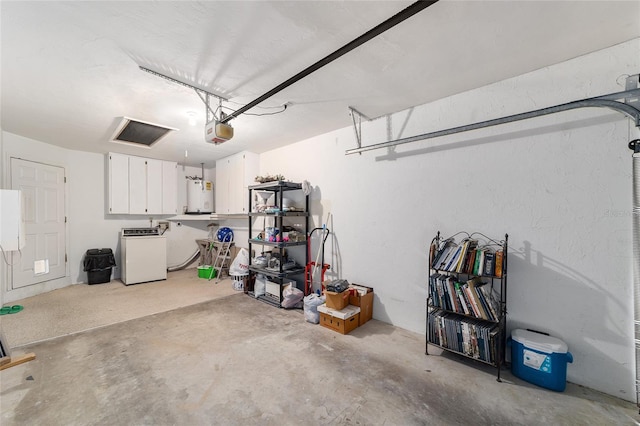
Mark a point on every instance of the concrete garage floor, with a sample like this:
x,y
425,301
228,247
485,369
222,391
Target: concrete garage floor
x,y
237,361
82,307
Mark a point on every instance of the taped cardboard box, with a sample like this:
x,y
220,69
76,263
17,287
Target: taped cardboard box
x,y
343,321
362,297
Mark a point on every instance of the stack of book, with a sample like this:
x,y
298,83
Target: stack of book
x,y
468,258
473,297
470,337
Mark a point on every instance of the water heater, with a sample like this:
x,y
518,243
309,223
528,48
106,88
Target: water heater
x,y
199,196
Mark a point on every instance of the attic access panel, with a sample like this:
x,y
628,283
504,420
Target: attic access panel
x,y
140,133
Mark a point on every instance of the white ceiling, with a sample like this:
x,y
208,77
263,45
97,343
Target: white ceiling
x,y
70,70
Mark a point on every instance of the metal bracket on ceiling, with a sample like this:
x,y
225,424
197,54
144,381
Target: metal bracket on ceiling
x,y
356,117
611,101
632,83
202,94
208,110
207,106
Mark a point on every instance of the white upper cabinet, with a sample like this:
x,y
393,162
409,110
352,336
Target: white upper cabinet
x,y
169,187
234,174
140,185
137,185
155,189
118,184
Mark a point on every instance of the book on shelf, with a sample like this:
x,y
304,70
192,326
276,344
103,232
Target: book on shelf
x,y
489,264
435,288
483,302
432,287
498,262
475,342
462,299
471,261
466,258
467,249
452,294
478,261
473,292
440,298
443,254
453,262
441,330
466,347
464,244
452,258
492,337
491,300
442,250
473,298
469,337
444,296
433,250
482,265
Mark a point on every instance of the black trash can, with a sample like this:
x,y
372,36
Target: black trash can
x,y
98,264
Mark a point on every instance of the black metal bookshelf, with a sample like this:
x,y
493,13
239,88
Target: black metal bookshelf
x,y
466,307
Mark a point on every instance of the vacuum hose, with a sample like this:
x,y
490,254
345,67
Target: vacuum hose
x,y
186,263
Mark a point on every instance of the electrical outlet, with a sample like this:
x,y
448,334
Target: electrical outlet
x,y
164,226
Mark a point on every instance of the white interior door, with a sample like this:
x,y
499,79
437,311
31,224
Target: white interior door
x,y
43,257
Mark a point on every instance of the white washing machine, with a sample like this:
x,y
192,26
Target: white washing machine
x,y
143,255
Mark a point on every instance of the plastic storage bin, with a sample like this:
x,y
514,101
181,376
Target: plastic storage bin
x,y
539,359
206,271
98,264
239,281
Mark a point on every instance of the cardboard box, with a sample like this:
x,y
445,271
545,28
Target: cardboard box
x,y
365,302
343,321
337,300
345,313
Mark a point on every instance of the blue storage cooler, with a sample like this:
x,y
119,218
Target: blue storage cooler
x,y
539,359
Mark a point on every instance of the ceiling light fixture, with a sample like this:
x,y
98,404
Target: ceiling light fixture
x,y
192,118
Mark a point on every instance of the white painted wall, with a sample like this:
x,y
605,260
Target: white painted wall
x,y
560,186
